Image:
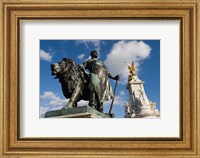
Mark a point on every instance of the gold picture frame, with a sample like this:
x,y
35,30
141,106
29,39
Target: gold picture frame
x,y
12,12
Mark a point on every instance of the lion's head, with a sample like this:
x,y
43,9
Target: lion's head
x,y
61,67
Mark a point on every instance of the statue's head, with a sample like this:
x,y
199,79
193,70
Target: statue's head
x,y
60,67
94,54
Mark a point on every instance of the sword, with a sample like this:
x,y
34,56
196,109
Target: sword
x,y
113,97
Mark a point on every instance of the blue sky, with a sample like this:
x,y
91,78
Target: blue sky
x,y
114,53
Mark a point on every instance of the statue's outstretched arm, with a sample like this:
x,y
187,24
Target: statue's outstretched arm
x,y
114,78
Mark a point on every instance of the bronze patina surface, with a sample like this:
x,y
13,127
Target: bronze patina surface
x,y
88,81
82,112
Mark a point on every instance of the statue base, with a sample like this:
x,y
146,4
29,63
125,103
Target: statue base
x,y
76,112
144,112
147,113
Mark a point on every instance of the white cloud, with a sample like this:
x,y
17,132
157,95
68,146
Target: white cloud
x,y
81,56
86,43
122,93
82,103
126,51
58,102
45,55
118,101
51,99
49,95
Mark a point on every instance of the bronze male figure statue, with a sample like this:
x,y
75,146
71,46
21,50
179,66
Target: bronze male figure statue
x,y
99,86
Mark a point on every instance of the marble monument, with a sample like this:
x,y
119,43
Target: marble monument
x,y
138,105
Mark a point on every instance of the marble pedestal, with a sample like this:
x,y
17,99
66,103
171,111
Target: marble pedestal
x,y
139,105
77,112
146,112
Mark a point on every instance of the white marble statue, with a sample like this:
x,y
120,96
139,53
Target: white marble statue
x,y
138,105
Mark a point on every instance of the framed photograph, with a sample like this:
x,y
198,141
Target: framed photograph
x,y
99,79
53,95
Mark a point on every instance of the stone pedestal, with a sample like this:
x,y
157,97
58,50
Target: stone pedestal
x,y
138,105
77,112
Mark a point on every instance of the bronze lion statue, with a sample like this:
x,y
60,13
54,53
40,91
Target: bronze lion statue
x,y
73,81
